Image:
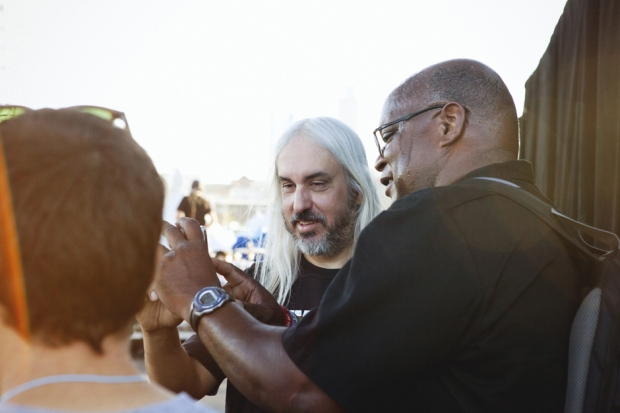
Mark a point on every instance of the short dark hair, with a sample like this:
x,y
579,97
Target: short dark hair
x,y
88,210
473,85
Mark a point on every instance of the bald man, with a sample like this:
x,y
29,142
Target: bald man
x,y
456,299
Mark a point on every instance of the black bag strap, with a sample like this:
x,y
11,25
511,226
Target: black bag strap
x,y
551,216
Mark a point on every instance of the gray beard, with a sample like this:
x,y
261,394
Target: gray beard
x,y
336,238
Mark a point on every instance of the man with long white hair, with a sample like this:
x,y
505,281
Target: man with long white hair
x,y
322,197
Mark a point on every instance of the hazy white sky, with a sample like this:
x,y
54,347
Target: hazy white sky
x,y
208,86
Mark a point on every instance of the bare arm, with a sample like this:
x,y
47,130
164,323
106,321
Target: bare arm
x,y
249,352
167,362
252,356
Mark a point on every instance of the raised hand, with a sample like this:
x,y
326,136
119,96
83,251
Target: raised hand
x,y
186,268
155,316
256,299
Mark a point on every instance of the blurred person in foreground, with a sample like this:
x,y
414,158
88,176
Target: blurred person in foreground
x,y
88,204
456,299
323,197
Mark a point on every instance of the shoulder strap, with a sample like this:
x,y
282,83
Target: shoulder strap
x,y
550,215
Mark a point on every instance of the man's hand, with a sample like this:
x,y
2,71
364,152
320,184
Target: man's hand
x,y
155,316
256,299
186,268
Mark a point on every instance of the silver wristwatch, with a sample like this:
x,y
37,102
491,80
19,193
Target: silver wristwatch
x,y
207,301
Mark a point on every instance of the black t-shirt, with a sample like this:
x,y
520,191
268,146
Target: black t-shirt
x,y
306,294
195,207
456,300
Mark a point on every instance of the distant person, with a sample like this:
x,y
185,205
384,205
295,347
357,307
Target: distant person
x,y
221,255
323,197
88,203
194,206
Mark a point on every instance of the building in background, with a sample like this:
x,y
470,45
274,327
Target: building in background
x,y
238,213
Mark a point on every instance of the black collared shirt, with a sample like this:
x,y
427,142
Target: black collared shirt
x,y
456,300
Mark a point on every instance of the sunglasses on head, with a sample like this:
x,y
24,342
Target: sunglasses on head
x,y
117,118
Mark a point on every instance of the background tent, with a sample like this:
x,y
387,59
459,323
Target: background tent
x,y
570,128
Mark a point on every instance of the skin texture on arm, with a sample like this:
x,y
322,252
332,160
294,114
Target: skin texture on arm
x,y
252,356
249,352
167,363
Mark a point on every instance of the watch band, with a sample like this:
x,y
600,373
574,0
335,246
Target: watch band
x,y
216,298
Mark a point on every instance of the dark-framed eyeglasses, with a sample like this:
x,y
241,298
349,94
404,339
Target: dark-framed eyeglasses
x,y
115,117
378,133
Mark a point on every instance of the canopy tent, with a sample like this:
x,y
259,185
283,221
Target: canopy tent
x,y
570,128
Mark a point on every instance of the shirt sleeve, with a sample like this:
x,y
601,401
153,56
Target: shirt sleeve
x,y
397,308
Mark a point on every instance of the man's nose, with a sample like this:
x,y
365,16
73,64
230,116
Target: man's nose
x,y
380,163
302,201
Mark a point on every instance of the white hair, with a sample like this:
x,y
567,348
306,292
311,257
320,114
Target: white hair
x,y
279,266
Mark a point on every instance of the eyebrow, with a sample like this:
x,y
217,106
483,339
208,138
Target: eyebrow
x,y
319,174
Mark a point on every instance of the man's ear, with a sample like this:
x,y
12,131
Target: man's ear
x,y
453,119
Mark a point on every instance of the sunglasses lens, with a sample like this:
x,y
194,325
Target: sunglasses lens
x,y
99,112
116,118
7,113
106,115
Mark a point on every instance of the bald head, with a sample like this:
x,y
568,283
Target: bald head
x,y
477,87
465,119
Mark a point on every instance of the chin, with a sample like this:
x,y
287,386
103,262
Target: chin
x,y
310,237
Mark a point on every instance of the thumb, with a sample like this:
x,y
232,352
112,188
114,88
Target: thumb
x,y
232,274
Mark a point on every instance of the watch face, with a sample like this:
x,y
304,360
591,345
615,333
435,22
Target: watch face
x,y
208,298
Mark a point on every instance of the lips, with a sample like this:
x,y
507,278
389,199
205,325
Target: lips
x,y
305,226
388,182
307,221
388,190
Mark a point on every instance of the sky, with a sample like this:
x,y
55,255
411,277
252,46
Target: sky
x,y
208,86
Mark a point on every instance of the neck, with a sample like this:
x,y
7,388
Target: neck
x,y
27,360
456,168
333,262
24,361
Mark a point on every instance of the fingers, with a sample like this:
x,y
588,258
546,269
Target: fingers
x,y
162,250
229,289
232,274
163,242
172,233
222,267
192,229
185,229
